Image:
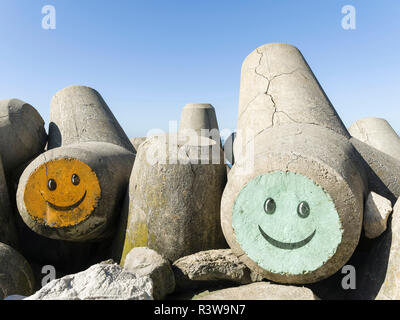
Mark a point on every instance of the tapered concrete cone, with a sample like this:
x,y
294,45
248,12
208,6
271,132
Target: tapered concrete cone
x,y
377,133
200,119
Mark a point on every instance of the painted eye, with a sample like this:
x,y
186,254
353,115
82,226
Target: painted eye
x,y
303,210
75,179
52,185
269,206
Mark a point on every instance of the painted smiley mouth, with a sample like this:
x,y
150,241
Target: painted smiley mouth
x,y
68,208
287,245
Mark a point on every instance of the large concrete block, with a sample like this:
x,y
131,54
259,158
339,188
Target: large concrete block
x,y
382,170
173,202
199,118
74,190
293,211
377,133
79,114
277,86
22,133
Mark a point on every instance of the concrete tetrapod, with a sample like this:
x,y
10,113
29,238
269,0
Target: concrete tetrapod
x,y
173,201
22,133
377,133
16,275
8,232
293,206
293,211
382,170
199,118
75,189
277,86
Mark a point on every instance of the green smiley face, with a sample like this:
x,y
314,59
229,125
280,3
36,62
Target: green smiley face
x,y
286,223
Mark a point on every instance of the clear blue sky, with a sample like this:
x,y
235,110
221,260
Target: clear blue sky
x,y
149,58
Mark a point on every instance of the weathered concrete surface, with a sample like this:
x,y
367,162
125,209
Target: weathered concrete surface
x,y
8,232
277,86
147,262
261,291
209,268
330,161
201,119
79,114
16,275
99,282
376,262
173,202
377,133
382,170
136,142
22,133
376,213
75,192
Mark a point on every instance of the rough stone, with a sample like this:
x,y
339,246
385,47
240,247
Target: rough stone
x,y
173,201
16,277
377,133
261,291
376,214
99,282
202,269
147,262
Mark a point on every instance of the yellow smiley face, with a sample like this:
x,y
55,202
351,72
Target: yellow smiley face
x,y
62,193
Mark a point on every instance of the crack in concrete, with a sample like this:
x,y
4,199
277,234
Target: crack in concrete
x,y
268,87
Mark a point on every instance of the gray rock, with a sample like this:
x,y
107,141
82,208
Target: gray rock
x,y
99,282
260,291
376,213
16,276
204,268
147,262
